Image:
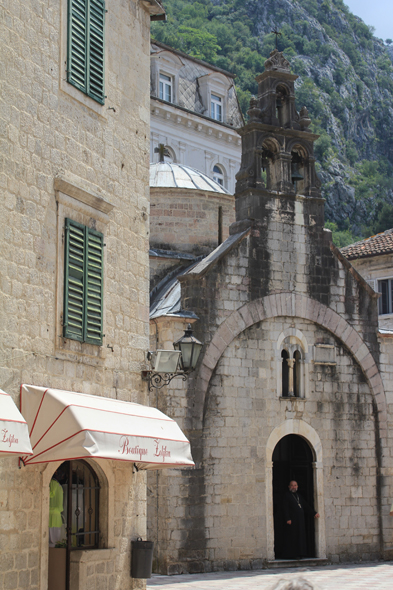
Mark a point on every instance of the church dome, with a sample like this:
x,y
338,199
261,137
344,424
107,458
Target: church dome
x,y
170,175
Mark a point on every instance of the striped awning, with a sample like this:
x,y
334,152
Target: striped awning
x,y
14,433
64,425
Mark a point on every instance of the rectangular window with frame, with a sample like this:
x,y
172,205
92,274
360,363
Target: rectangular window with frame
x,y
216,107
85,50
385,302
165,87
83,283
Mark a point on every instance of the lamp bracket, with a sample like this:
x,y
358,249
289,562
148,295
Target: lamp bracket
x,y
160,380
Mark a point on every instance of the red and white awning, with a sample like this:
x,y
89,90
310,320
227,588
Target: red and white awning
x,y
14,433
64,425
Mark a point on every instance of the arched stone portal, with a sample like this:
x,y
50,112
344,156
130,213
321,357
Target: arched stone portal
x,y
304,430
292,461
297,306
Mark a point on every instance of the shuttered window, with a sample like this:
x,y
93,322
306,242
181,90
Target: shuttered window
x,y
85,64
83,283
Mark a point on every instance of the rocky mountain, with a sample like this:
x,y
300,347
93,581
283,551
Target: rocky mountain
x,y
345,80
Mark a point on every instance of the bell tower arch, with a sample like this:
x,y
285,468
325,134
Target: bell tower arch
x,y
276,141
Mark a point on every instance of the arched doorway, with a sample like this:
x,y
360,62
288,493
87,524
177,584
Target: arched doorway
x,y
292,460
73,518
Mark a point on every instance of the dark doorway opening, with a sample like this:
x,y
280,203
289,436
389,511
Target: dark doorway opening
x,y
292,460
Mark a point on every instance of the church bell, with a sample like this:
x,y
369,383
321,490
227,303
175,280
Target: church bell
x,y
295,173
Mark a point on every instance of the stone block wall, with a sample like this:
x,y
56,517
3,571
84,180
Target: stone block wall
x,y
243,409
63,154
189,222
283,267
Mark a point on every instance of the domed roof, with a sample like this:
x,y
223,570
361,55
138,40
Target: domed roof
x,y
168,175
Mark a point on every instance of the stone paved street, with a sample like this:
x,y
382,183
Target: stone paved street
x,y
344,577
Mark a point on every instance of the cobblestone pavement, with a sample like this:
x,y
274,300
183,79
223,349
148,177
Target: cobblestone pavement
x,y
338,577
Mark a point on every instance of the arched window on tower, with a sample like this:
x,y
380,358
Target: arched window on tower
x,y
218,175
298,170
282,106
269,165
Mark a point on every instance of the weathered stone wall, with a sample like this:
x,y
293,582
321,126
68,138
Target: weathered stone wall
x,y
189,222
98,156
284,267
243,409
166,511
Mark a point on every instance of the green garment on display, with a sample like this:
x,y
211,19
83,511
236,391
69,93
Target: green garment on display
x,y
55,504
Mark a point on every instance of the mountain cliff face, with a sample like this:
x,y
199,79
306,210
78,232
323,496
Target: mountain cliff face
x,y
345,80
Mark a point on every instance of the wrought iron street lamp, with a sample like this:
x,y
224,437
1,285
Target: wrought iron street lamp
x,y
168,364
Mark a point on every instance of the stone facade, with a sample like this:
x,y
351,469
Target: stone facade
x,y
66,155
277,284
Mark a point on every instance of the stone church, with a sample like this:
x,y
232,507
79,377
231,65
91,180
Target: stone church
x,y
294,380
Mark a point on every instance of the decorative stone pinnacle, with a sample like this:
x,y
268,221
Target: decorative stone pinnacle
x,y
277,62
254,112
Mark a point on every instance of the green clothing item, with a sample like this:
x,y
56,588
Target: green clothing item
x,y
55,504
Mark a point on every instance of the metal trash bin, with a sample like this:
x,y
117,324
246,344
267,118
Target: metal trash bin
x,y
141,558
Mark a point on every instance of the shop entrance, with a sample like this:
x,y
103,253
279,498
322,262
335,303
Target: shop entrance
x,y
73,518
292,460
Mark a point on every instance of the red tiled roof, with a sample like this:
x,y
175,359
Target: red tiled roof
x,y
373,246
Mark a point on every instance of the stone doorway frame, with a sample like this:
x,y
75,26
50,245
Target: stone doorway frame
x,y
104,472
300,428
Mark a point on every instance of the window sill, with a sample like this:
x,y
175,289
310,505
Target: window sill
x,y
291,398
84,99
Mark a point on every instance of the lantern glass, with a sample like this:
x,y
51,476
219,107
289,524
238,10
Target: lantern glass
x,y
190,349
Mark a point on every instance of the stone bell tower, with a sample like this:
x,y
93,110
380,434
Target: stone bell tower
x,y
278,191
277,152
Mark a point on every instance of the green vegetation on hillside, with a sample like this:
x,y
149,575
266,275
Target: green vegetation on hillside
x,y
345,80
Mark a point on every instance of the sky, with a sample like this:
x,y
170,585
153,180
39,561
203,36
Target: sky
x,y
377,13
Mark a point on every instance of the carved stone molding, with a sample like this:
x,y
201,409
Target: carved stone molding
x,y
277,61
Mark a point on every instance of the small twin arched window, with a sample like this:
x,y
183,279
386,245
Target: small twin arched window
x,y
291,374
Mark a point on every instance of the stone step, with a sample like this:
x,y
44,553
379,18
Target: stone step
x,y
295,563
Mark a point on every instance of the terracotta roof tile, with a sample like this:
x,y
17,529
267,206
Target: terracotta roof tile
x,y
373,246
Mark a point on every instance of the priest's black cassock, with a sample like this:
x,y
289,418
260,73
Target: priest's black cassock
x,y
295,534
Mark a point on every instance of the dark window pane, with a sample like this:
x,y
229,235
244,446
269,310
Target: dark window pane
x,y
383,287
285,373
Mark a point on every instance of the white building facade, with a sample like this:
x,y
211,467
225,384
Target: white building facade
x,y
195,114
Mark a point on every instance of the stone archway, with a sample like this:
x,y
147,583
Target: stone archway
x,y
304,430
299,306
290,305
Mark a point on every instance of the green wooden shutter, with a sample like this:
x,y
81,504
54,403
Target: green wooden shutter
x,y
77,44
94,287
96,50
85,68
74,291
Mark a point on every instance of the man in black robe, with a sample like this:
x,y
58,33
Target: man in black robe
x,y
294,508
